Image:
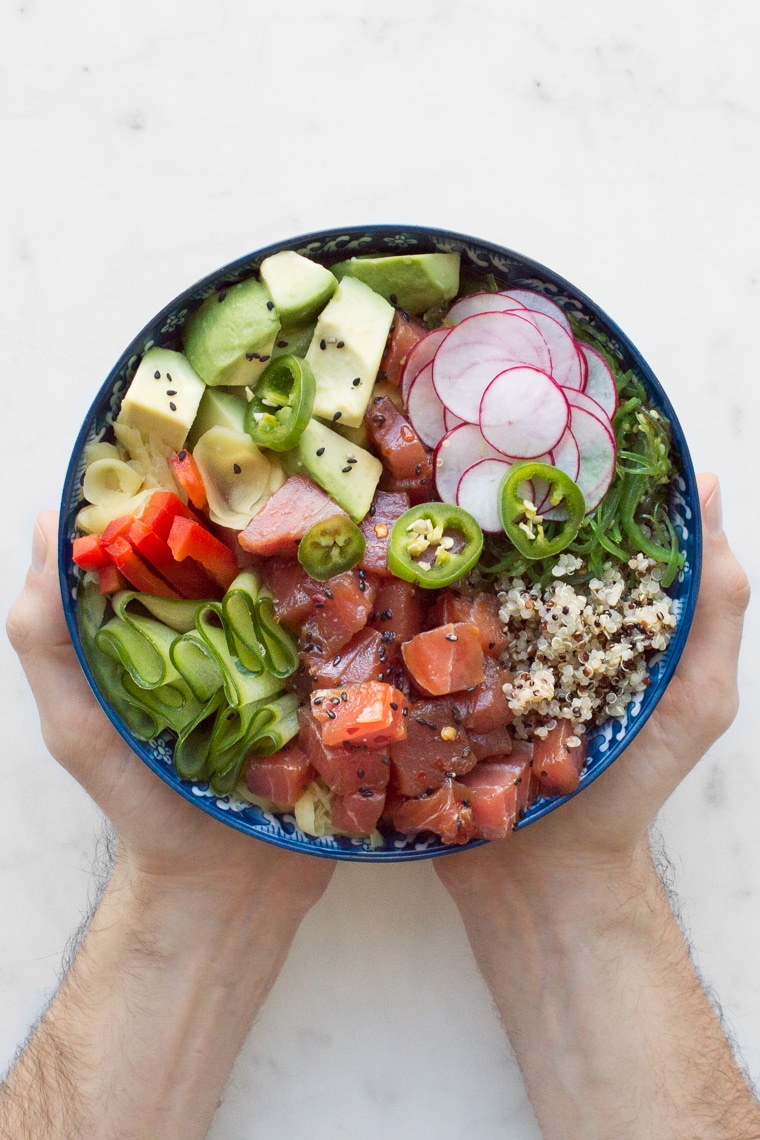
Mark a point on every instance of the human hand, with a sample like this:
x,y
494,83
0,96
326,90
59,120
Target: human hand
x,y
162,836
608,824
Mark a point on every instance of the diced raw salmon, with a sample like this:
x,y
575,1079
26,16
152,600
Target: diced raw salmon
x,y
344,769
447,812
357,813
482,610
446,659
557,766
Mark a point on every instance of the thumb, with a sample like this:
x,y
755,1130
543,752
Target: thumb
x,y
73,724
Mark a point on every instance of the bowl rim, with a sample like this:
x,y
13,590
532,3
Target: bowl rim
x,y
357,851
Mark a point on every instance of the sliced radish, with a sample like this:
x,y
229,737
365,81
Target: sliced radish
x,y
451,420
523,412
459,449
478,492
419,356
583,400
480,303
566,366
479,348
540,304
596,446
425,410
600,384
566,456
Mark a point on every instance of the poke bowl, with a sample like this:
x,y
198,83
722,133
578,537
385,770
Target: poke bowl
x,y
379,543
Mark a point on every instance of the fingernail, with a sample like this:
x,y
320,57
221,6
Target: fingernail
x,y
714,513
39,549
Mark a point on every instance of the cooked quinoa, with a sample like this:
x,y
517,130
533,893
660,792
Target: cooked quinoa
x,y
580,653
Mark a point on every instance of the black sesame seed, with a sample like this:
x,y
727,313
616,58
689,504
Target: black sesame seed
x,y
405,710
360,773
337,660
451,637
171,391
341,344
337,416
222,295
317,700
386,615
334,700
378,419
327,592
236,468
356,381
173,406
351,459
366,792
344,696
330,713
323,343
393,298
270,305
394,706
263,358
282,344
345,470
491,644
182,456
379,399
320,451
156,375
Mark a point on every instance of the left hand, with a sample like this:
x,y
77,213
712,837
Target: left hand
x,y
163,836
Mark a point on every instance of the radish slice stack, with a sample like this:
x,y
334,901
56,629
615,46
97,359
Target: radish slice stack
x,y
505,380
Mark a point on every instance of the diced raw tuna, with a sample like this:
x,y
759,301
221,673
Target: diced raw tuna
x,y
481,609
435,747
496,787
485,745
402,451
376,527
361,659
397,614
373,713
344,770
340,608
287,516
405,333
357,813
281,778
447,812
486,708
420,488
292,589
556,765
446,659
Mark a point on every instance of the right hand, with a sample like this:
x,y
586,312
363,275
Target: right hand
x,y
604,829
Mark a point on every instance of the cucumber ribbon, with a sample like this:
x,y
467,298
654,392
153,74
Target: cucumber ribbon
x,y
209,671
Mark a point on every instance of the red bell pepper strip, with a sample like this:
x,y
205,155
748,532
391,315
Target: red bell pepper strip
x,y
89,554
188,539
136,571
190,579
117,528
161,510
111,579
188,476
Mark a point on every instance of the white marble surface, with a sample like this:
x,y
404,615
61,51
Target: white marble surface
x,y
144,144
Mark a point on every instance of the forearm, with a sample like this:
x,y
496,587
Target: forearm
x,y
612,1030
142,1035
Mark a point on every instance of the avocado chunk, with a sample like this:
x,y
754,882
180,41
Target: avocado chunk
x,y
299,287
218,409
294,340
346,350
229,339
414,282
163,397
348,473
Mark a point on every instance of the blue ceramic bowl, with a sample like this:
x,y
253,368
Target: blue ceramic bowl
x,y
512,271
